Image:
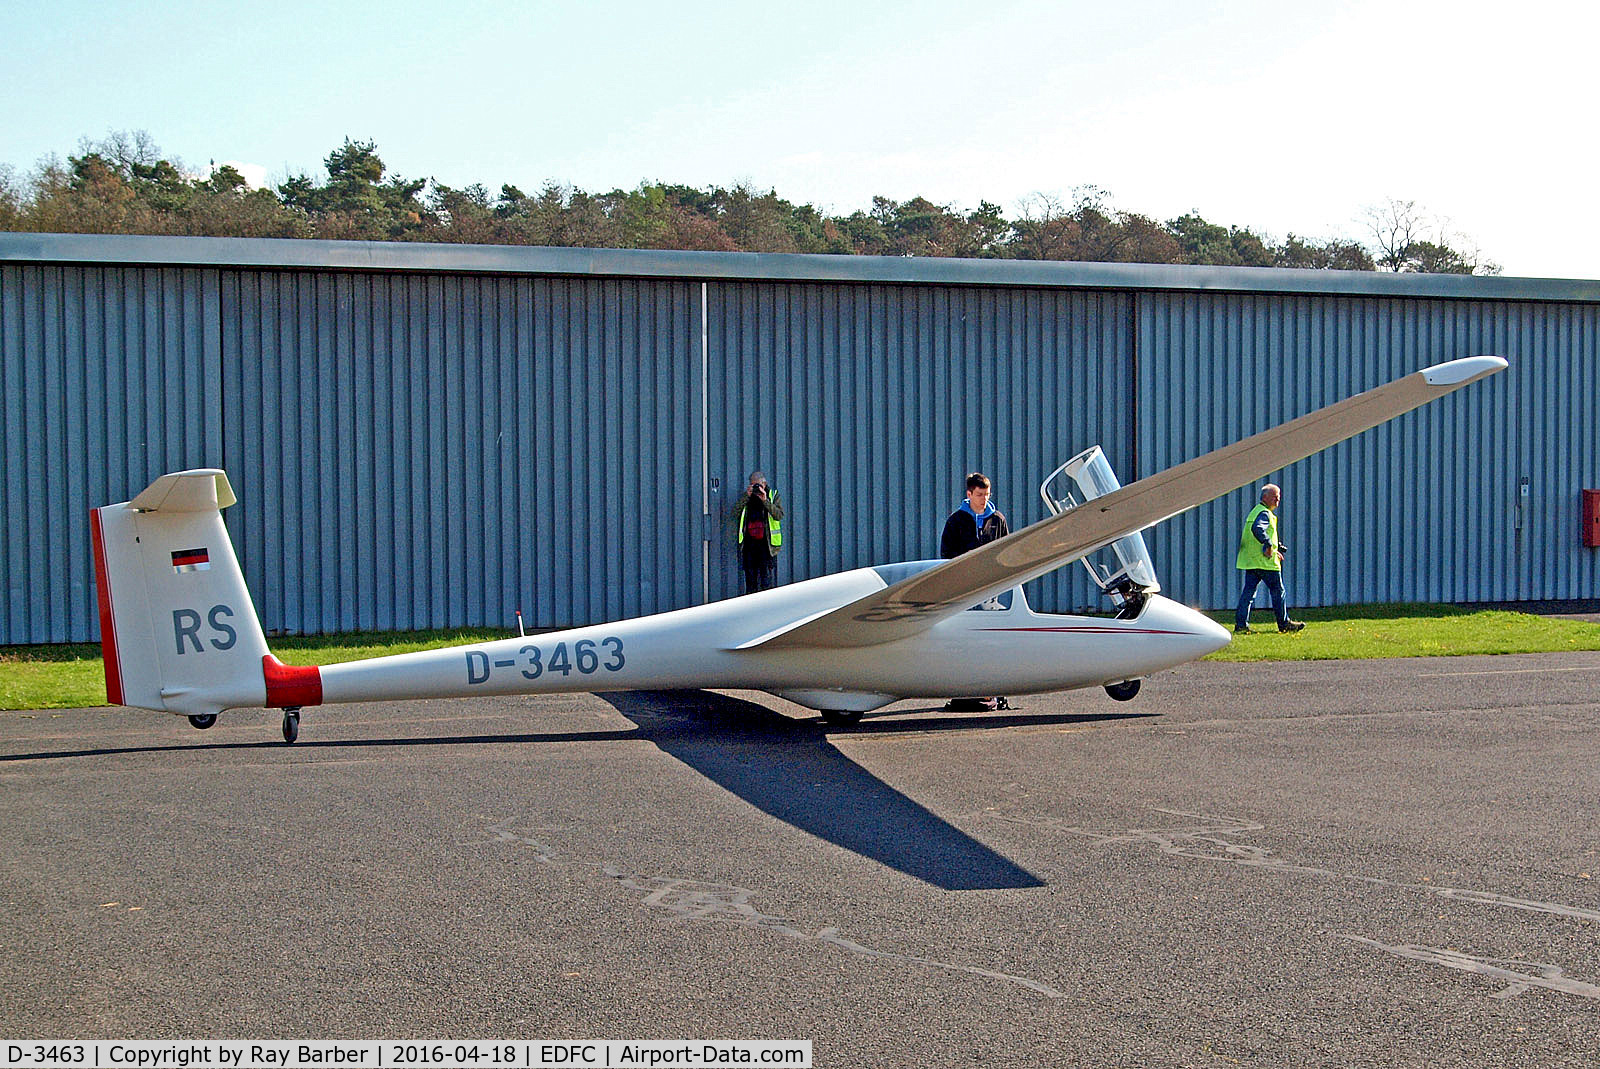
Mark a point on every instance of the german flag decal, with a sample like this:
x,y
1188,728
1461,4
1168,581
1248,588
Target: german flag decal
x,y
191,560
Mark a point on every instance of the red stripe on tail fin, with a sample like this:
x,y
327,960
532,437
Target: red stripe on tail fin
x,y
108,627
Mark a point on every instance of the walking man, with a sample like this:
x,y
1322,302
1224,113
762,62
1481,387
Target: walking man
x,y
1261,560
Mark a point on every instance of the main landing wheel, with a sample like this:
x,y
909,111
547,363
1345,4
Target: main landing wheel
x,y
202,722
1123,691
291,724
840,717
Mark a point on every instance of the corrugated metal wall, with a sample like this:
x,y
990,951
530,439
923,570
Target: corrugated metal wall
x,y
416,449
409,451
107,375
1428,508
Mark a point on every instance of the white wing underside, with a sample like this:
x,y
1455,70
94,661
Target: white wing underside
x,y
916,604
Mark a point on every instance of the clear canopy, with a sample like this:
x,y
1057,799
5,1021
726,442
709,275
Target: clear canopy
x,y
1126,562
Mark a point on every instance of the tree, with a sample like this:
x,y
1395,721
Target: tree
x,y
688,229
1041,231
1331,255
356,202
1408,239
11,198
757,222
465,215
1090,230
1395,226
1201,242
563,217
862,234
102,198
640,219
985,231
1145,241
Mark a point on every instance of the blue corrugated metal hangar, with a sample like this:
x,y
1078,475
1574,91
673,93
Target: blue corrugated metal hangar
x,y
440,435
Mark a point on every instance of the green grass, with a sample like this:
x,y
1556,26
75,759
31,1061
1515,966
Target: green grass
x,y
1352,632
51,677
70,677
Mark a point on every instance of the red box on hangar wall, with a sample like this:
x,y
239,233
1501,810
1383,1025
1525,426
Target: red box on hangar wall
x,y
1591,518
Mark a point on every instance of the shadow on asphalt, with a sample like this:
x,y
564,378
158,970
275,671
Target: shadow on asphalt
x,y
786,767
791,770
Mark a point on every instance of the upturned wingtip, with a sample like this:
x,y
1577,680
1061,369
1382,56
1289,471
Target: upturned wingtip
x,y
1460,372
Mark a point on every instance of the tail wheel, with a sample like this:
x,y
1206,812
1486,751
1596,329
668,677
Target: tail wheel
x,y
840,717
1123,691
200,723
291,725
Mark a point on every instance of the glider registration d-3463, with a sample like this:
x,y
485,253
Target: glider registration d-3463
x,y
180,633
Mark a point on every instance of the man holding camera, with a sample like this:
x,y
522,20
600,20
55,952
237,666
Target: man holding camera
x,y
760,533
1261,560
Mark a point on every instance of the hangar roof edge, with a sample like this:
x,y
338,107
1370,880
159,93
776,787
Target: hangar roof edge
x,y
282,253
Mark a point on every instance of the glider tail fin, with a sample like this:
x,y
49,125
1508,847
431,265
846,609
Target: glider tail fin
x,y
178,630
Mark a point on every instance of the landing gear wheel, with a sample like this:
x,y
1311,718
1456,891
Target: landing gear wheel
x,y
203,721
291,725
840,717
1123,691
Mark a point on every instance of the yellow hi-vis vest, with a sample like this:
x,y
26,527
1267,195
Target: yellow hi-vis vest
x,y
774,529
1250,555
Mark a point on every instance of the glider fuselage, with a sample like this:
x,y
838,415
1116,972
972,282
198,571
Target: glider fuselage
x,y
1011,650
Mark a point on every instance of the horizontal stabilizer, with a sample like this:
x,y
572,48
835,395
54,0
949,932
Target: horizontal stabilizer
x,y
198,490
917,603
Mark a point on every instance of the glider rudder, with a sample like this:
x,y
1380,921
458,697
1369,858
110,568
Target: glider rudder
x,y
178,630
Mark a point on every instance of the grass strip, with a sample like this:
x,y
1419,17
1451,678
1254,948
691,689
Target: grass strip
x,y
1356,632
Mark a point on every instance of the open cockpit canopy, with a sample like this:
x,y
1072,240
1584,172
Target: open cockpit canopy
x,y
1123,570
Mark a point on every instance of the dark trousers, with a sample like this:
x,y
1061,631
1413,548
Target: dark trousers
x,y
760,571
1253,578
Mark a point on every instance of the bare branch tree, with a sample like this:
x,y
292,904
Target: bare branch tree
x,y
1395,225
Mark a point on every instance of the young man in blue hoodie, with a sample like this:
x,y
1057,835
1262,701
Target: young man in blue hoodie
x,y
975,523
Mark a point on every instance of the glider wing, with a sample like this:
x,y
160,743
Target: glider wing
x,y
917,603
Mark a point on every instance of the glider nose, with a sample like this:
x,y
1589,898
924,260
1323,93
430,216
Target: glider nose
x,y
1210,634
1194,633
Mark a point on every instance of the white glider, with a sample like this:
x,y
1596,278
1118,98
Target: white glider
x,y
180,632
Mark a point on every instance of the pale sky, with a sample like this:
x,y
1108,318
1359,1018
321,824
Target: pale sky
x,y
1279,116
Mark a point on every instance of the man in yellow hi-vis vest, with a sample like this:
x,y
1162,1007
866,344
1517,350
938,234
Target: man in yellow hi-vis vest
x,y
1261,560
760,533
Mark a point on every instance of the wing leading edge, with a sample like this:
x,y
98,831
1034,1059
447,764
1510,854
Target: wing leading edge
x,y
917,603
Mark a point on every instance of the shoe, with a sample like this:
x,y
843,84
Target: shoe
x,y
1291,625
1245,630
973,705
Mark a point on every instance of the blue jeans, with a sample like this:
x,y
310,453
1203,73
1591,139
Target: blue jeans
x,y
1253,578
